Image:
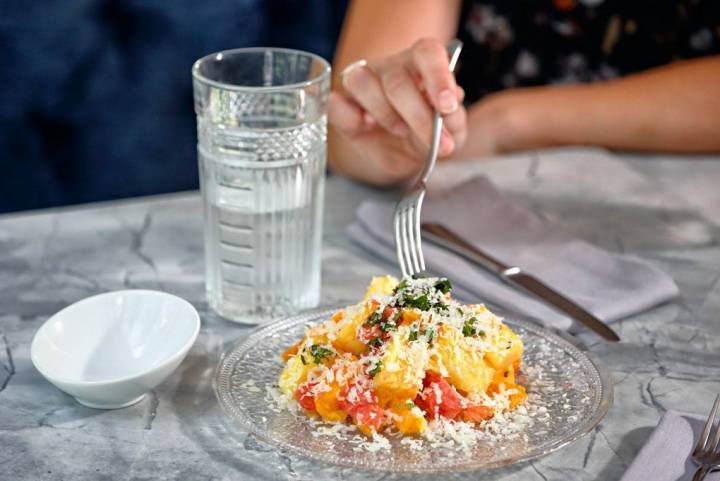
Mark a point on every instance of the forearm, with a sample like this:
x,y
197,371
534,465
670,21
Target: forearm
x,y
675,108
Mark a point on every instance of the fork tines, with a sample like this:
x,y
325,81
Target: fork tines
x,y
407,233
703,447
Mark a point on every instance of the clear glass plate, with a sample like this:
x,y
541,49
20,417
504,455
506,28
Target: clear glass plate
x,y
569,394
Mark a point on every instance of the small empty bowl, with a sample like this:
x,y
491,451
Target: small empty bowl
x,y
108,350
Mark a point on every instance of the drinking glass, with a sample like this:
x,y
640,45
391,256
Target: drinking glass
x,y
262,130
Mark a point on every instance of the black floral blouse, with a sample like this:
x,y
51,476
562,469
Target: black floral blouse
x,y
517,43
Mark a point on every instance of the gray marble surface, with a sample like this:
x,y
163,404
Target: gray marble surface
x,y
664,209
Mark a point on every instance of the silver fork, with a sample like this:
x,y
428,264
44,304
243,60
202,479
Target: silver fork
x,y
706,453
408,243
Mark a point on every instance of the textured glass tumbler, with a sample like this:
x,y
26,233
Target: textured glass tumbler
x,y
262,130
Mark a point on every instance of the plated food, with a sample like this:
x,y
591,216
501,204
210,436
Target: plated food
x,y
409,359
568,394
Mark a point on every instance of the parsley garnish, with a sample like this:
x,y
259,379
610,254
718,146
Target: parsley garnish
x,y
409,404
302,358
374,318
443,285
430,334
422,302
388,325
469,327
375,342
440,306
372,372
401,285
319,353
413,334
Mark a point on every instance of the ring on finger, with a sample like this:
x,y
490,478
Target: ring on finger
x,y
347,70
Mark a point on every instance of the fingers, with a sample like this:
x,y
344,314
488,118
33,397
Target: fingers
x,y
346,116
429,58
455,126
399,94
407,100
365,88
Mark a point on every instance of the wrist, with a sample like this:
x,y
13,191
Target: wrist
x,y
508,117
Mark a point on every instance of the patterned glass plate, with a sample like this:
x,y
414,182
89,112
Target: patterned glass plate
x,y
568,395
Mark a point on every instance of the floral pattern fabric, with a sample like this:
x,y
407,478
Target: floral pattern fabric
x,y
518,43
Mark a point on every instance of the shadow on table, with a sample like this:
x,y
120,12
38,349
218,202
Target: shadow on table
x,y
629,446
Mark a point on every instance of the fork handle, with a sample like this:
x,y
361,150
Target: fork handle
x,y
453,47
702,472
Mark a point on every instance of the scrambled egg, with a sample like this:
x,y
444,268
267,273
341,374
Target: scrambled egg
x,y
405,354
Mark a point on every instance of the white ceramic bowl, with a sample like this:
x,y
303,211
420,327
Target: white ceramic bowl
x,y
108,350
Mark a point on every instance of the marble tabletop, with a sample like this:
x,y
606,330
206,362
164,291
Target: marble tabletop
x,y
661,208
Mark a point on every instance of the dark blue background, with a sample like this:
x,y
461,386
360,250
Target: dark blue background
x,y
96,96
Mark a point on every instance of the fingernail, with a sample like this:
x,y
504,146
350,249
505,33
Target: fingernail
x,y
447,102
400,129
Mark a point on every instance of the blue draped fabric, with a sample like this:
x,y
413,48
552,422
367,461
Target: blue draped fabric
x,y
96,96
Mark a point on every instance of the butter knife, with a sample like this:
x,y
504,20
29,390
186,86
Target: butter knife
x,y
514,276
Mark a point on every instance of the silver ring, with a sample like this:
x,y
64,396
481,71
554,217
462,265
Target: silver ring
x,y
346,71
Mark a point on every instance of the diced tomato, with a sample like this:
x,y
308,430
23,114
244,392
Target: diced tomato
x,y
439,398
363,408
360,393
368,333
388,312
304,397
369,415
478,413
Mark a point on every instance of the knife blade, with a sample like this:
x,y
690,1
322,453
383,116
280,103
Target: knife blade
x,y
514,276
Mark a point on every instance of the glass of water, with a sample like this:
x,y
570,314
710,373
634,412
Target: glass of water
x,y
261,120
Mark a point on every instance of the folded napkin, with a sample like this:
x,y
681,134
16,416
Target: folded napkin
x,y
611,286
666,456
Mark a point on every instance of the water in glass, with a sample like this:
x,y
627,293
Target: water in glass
x,y
262,164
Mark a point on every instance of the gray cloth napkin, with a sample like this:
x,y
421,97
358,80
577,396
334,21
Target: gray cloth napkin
x,y
611,286
666,455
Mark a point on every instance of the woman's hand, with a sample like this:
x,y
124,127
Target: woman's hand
x,y
381,122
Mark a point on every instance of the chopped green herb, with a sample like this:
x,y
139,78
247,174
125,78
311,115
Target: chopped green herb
x,y
375,342
422,302
440,306
373,318
481,333
459,310
468,330
319,353
409,404
430,334
401,285
388,326
469,327
378,367
413,334
443,285
302,359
